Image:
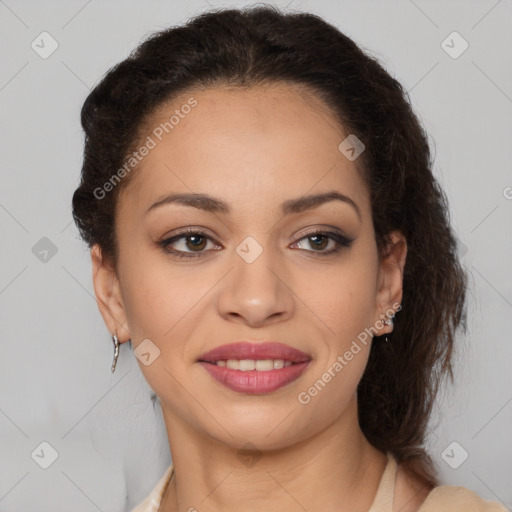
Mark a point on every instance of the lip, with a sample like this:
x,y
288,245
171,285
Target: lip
x,y
247,350
255,382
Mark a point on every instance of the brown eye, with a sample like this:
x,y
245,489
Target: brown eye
x,y
195,242
319,241
184,245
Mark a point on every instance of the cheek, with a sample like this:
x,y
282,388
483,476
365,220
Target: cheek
x,y
160,303
159,296
342,295
333,387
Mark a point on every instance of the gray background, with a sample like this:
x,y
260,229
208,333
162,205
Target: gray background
x,y
55,380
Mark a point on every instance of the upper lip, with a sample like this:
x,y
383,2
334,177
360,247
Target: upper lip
x,y
248,350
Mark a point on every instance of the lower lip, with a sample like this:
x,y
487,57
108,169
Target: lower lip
x,y
254,382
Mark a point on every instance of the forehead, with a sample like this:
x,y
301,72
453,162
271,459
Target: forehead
x,y
265,142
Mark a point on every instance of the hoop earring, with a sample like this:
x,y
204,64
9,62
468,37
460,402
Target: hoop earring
x,y
116,351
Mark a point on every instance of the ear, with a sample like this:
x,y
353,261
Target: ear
x,y
390,280
108,295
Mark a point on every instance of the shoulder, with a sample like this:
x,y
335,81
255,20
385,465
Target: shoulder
x,y
414,495
410,491
454,499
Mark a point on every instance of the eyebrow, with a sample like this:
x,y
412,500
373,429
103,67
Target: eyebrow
x,y
291,206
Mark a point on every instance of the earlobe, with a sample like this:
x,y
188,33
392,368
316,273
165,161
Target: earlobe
x,y
108,295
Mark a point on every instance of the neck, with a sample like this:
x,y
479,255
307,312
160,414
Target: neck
x,y
336,469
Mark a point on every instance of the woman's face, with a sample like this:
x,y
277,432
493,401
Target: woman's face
x,y
256,272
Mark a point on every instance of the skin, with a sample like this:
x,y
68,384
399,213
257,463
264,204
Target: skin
x,y
254,149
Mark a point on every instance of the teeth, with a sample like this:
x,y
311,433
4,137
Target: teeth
x,y
262,365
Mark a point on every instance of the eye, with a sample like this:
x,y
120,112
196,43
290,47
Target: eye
x,y
320,240
188,244
192,243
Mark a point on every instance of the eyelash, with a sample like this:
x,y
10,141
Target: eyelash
x,y
341,240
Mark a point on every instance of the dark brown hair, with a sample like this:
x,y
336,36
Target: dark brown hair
x,y
251,46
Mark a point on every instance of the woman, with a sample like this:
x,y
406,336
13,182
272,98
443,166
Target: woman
x,y
266,230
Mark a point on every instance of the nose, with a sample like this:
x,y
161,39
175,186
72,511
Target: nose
x,y
256,293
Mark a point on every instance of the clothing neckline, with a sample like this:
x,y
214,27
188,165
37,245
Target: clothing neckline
x,y
383,501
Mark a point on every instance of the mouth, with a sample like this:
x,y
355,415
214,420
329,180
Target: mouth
x,y
245,356
255,368
245,350
244,365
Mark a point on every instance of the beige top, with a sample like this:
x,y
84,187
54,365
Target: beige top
x,y
440,499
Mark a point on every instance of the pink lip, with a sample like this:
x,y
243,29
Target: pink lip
x,y
247,350
253,381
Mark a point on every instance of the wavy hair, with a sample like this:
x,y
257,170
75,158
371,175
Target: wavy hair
x,y
257,45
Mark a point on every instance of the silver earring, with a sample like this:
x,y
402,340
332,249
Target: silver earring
x,y
116,351
387,321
